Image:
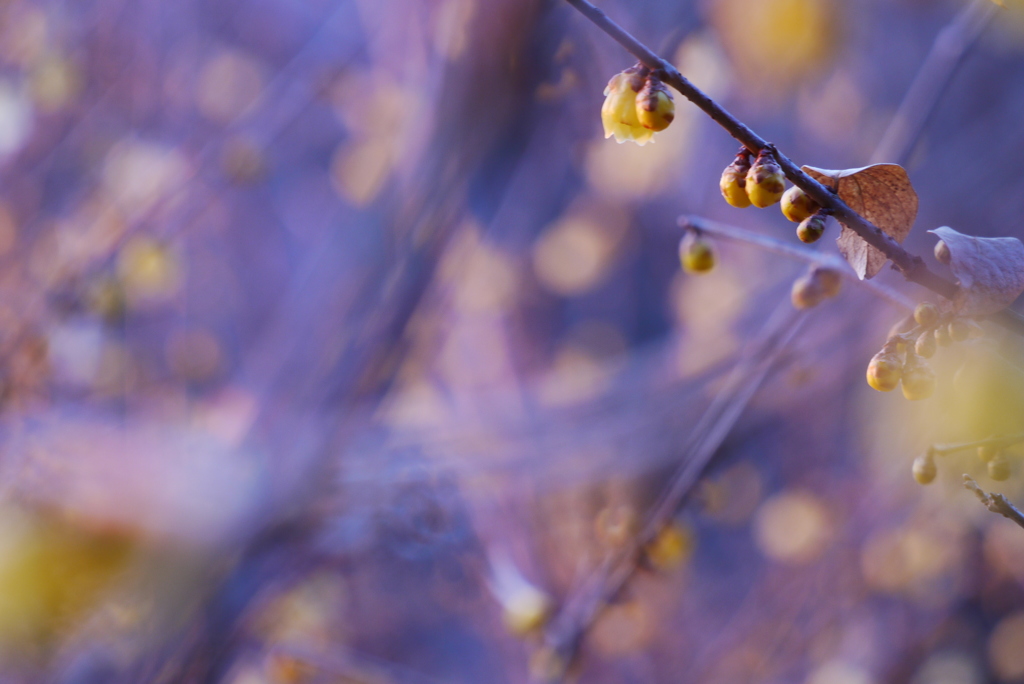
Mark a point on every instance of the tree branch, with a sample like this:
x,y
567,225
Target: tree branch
x,y
997,503
563,634
912,267
997,442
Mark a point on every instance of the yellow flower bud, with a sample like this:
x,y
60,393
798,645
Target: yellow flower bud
x,y
999,468
618,114
811,228
831,281
884,371
814,287
959,330
696,254
987,452
734,179
805,293
797,206
925,346
924,469
654,106
765,182
926,314
918,380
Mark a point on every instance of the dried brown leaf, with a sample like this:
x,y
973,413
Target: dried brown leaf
x,y
883,195
990,270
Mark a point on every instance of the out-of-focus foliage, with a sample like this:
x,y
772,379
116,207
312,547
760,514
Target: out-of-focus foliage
x,y
336,344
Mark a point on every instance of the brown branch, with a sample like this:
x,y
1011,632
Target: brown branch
x,y
912,267
997,503
563,635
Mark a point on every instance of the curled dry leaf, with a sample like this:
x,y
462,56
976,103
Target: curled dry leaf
x,y
990,270
882,194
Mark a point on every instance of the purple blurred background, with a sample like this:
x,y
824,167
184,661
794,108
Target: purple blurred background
x,y
320,321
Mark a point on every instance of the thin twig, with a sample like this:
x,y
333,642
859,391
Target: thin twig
x,y
997,503
798,252
565,632
951,46
912,267
998,442
581,609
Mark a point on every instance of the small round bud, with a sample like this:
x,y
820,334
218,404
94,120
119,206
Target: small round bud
x,y
959,330
942,254
884,371
654,106
925,346
831,281
797,206
918,380
924,469
733,180
765,181
696,254
999,468
811,228
986,452
731,185
807,292
942,336
926,314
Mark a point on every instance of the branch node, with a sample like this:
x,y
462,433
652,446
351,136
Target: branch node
x,y
997,503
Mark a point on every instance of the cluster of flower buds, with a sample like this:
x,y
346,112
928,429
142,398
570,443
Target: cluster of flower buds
x,y
760,183
991,452
897,364
929,330
936,330
798,207
815,286
996,461
637,105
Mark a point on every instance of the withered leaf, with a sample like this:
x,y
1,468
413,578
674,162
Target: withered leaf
x,y
882,194
990,270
